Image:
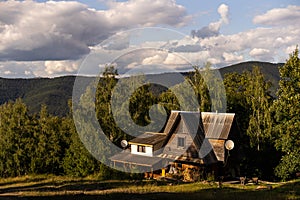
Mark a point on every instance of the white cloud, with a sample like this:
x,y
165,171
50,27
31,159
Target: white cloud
x,y
7,72
232,57
290,49
213,28
157,59
175,59
132,65
57,67
274,41
261,54
27,73
223,10
59,30
12,69
280,16
258,52
147,12
214,61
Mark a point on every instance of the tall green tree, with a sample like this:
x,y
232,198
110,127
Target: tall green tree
x,y
287,117
200,87
78,161
104,93
235,85
16,139
258,97
50,144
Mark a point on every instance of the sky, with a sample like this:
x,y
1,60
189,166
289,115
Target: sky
x,y
41,38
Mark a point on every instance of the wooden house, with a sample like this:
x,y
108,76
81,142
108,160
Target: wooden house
x,y
189,140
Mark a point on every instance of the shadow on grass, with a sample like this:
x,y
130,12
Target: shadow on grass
x,y
203,194
56,186
25,180
289,190
71,185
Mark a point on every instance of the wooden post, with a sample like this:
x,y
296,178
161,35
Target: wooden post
x,y
151,173
163,172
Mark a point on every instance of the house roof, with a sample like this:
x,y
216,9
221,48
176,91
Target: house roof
x,y
217,125
171,121
149,138
194,128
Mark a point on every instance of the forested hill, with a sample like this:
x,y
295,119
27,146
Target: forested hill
x,y
55,92
270,71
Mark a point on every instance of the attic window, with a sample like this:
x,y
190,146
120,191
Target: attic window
x,y
180,142
141,149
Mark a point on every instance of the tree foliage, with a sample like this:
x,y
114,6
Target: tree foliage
x,y
248,97
103,104
200,87
287,117
30,144
259,99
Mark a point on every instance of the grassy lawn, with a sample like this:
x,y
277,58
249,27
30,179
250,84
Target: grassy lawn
x,y
55,187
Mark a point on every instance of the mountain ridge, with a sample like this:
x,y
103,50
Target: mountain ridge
x,y
55,92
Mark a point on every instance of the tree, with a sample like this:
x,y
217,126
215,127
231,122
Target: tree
x,y
287,117
235,85
16,139
258,97
200,87
248,97
84,144
50,140
103,104
78,161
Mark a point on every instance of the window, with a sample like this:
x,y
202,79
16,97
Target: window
x,y
141,149
180,142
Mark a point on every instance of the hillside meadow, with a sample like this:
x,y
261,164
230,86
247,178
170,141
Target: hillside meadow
x,y
62,187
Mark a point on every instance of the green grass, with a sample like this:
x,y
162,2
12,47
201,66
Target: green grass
x,y
55,187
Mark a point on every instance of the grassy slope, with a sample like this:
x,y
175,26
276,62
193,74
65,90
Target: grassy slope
x,y
43,187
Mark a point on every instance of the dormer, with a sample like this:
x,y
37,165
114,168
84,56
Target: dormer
x,y
147,144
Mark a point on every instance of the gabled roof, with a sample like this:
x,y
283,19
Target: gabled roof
x,y
155,140
192,121
217,125
174,117
149,138
197,145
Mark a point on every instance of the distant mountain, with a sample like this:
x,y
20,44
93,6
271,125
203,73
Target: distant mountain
x,y
270,71
34,92
55,92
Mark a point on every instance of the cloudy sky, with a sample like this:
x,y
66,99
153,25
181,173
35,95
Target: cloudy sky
x,y
54,38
